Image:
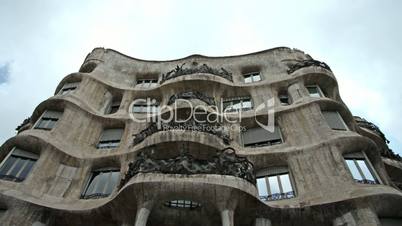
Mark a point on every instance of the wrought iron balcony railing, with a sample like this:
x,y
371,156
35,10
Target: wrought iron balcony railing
x,y
278,196
180,71
224,162
307,63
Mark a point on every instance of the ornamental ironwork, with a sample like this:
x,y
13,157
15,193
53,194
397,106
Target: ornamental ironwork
x,y
204,68
278,196
192,95
307,63
191,125
363,123
26,124
224,162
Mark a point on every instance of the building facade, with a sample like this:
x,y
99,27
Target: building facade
x,y
257,140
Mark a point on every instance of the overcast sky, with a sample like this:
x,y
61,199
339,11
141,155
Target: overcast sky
x,y
42,42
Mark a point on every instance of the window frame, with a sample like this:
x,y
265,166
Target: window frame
x,y
114,104
68,88
341,119
370,167
320,92
283,196
92,176
280,97
182,204
111,143
237,100
47,120
252,76
32,157
146,83
263,144
149,108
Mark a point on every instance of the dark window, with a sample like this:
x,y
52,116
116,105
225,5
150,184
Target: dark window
x,y
275,185
88,67
334,120
144,107
315,91
18,165
68,87
182,204
114,107
258,137
237,104
101,183
284,98
48,120
252,77
110,138
147,83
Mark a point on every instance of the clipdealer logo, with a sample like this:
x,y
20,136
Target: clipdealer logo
x,y
146,110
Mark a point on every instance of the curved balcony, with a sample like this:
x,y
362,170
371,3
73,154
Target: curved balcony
x,y
307,63
224,162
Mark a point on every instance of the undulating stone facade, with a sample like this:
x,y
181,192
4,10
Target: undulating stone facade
x,y
257,140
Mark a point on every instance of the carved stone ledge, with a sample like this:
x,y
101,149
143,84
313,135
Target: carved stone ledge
x,y
225,162
307,63
180,71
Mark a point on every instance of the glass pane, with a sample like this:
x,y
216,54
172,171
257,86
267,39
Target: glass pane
x,y
227,105
26,169
366,172
353,169
17,167
274,185
257,78
137,108
262,187
7,165
102,181
42,124
65,91
236,104
247,79
51,124
247,104
285,181
103,145
314,92
113,178
92,184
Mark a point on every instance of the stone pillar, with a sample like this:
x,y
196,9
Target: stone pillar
x,y
296,92
262,222
227,217
358,217
143,211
